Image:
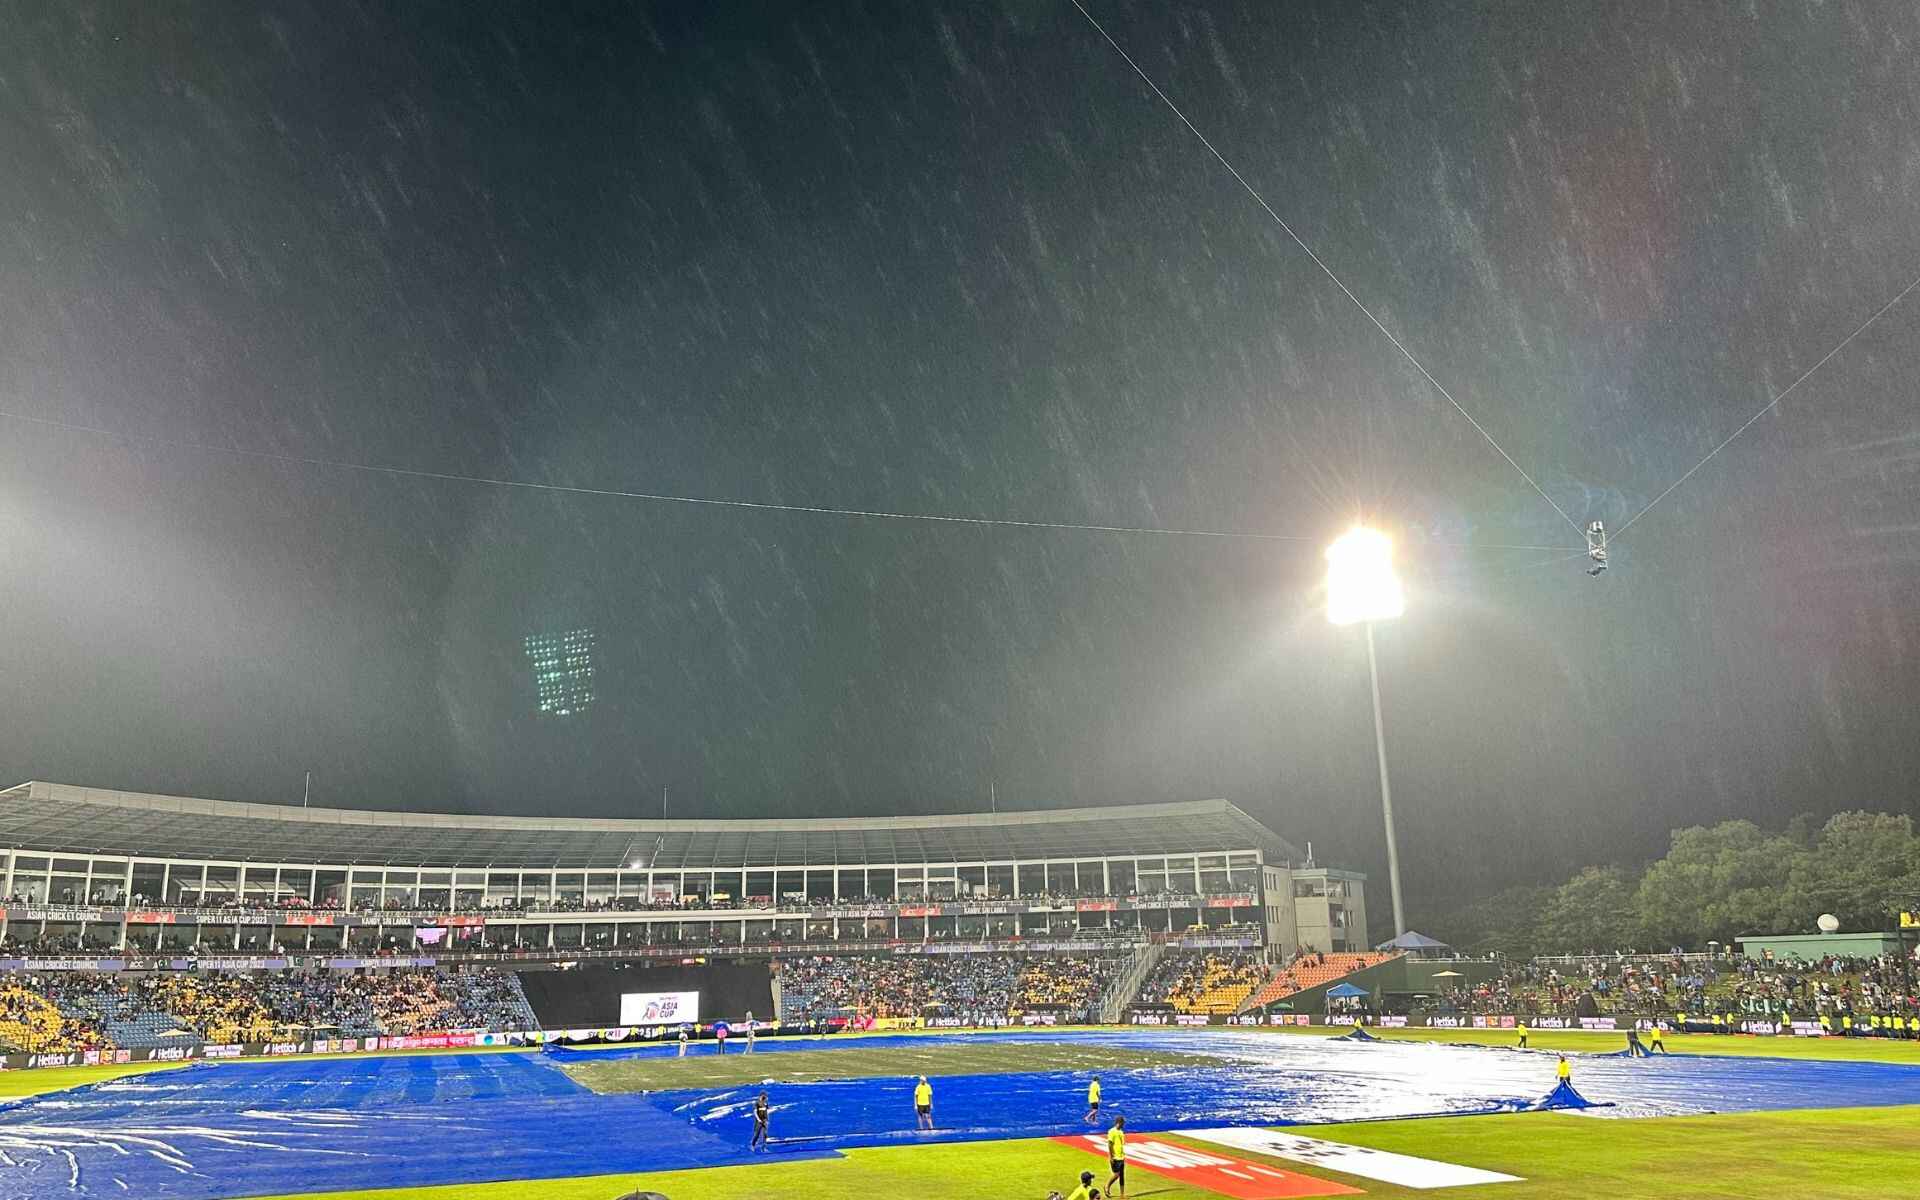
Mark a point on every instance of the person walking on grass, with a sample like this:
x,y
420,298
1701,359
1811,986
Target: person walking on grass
x,y
1656,1040
749,1033
1521,1029
760,1114
1093,1100
923,1104
1117,1157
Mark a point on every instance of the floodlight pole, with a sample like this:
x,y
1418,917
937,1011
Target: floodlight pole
x,y
1386,788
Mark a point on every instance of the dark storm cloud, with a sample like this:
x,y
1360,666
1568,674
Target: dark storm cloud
x,y
954,258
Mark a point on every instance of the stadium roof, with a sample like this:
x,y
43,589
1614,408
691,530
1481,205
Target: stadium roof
x,y
58,818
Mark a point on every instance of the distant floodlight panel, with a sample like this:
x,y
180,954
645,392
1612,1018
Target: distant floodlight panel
x,y
1361,585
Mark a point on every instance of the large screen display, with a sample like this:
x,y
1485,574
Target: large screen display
x,y
659,1008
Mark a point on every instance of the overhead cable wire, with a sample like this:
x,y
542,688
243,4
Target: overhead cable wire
x,y
710,501
1770,405
660,497
1321,263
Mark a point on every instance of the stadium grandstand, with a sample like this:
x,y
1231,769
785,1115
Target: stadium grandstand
x,y
89,870
152,923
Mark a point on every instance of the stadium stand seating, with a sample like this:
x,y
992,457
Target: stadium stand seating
x,y
1310,971
1209,982
1665,986
34,1018
978,988
87,1010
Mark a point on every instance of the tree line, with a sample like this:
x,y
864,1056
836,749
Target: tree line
x,y
1715,883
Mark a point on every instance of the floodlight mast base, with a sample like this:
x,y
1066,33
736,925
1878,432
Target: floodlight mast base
x,y
1386,788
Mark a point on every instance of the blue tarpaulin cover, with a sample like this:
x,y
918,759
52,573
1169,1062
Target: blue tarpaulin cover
x,y
216,1131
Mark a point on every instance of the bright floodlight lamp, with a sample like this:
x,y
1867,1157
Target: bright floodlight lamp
x,y
1361,585
1362,589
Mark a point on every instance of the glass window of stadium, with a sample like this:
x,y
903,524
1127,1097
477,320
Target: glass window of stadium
x,y
399,889
255,887
1245,872
973,880
819,885
941,883
1181,877
296,885
69,883
600,888
503,889
330,889
434,889
1032,879
1213,874
1000,879
1152,876
760,887
148,880
30,878
880,883
222,886
852,883
1120,878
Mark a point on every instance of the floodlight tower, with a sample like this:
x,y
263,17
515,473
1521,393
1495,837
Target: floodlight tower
x,y
1362,589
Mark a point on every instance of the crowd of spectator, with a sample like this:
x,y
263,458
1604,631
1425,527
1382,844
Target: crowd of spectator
x,y
32,1020
1834,986
83,1010
1208,981
976,989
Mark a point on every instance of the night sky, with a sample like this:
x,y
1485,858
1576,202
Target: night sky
x,y
955,258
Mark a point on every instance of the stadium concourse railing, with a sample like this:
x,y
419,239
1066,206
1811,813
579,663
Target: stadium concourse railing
x,y
1244,937
144,911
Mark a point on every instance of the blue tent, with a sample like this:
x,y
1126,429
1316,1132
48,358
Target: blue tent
x,y
1346,991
